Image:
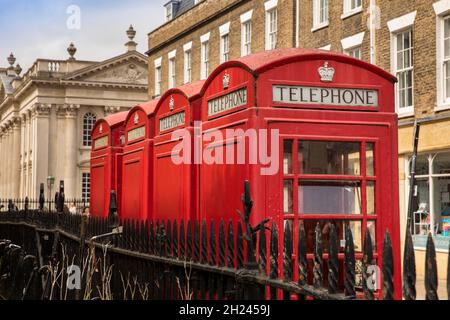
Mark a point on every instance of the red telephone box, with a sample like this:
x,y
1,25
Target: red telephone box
x,y
137,164
329,120
175,181
107,144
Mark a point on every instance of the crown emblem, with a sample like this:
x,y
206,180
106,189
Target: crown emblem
x,y
326,73
226,81
101,128
171,104
136,118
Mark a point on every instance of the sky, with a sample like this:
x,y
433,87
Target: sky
x,y
33,29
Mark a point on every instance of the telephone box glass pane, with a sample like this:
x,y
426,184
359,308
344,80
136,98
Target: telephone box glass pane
x,y
288,204
329,197
328,157
325,228
370,195
370,170
371,226
287,156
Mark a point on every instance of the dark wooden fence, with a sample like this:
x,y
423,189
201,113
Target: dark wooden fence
x,y
190,260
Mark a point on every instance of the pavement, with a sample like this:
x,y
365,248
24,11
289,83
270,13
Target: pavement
x,y
442,289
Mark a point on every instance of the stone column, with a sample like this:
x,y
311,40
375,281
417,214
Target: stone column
x,y
39,151
2,168
28,158
23,122
70,151
9,161
15,158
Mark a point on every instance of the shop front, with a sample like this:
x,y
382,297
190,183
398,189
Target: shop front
x,y
431,193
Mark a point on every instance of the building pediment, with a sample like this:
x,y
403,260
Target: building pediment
x,y
130,68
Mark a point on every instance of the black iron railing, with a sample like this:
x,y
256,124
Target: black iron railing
x,y
192,260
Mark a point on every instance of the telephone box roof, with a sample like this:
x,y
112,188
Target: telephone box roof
x,y
262,61
190,90
112,120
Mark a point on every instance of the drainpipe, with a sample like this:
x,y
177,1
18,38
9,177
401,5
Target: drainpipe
x,y
372,28
297,23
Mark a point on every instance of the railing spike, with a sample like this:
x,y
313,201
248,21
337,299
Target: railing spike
x,y
239,247
318,257
333,261
409,268
189,255
262,252
273,274
287,257
212,244
431,281
367,263
349,262
204,255
230,246
182,241
388,268
302,260
175,239
222,243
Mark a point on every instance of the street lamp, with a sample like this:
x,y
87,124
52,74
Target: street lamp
x,y
50,183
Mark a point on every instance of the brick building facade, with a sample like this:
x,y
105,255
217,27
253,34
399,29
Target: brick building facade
x,y
410,39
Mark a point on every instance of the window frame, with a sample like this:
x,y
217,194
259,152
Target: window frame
x,y
271,27
443,94
408,110
89,119
429,177
204,60
172,73
224,47
246,38
348,11
318,9
85,186
187,66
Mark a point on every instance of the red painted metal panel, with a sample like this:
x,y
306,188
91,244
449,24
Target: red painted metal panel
x,y
106,145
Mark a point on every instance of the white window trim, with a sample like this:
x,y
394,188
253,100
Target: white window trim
x,y
224,29
203,72
327,47
442,9
267,27
158,81
172,54
271,4
317,25
401,23
395,26
347,12
352,41
187,68
187,46
172,72
409,111
243,34
204,38
158,62
246,17
221,51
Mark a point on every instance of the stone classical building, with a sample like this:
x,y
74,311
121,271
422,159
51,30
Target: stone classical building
x,y
410,39
47,114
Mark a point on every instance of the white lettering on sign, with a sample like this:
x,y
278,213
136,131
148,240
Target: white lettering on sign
x,y
136,133
227,102
325,96
172,121
101,142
